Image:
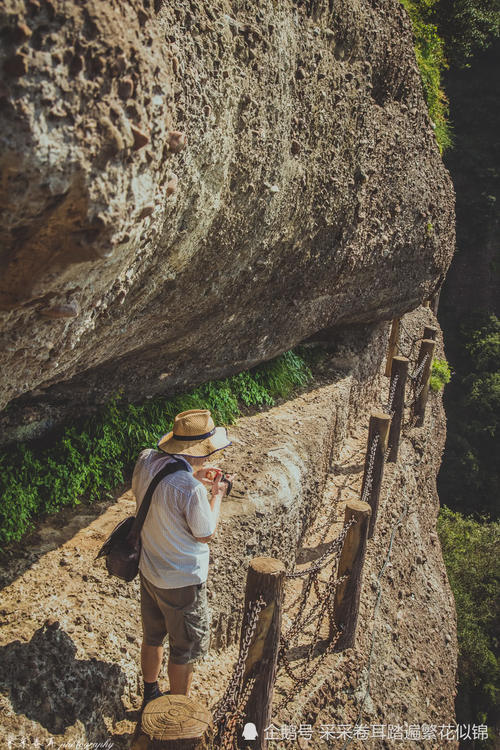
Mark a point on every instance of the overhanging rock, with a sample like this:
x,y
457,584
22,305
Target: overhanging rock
x,y
311,192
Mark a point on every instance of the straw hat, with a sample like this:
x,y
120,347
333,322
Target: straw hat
x,y
194,434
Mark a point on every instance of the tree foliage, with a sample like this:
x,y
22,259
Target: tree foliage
x,y
471,549
467,27
470,475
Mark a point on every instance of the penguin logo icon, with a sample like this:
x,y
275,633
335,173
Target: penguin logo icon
x,y
250,731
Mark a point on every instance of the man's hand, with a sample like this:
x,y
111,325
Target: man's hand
x,y
212,479
219,486
207,475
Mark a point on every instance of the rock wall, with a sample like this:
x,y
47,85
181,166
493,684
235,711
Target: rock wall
x,y
188,189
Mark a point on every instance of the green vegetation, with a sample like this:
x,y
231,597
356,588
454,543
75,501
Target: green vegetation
x,y
449,32
87,460
471,550
467,27
430,54
470,474
440,374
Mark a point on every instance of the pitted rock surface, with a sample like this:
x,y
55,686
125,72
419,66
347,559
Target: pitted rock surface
x,y
189,189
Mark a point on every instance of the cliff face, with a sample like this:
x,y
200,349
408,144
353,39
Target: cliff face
x,y
310,193
296,465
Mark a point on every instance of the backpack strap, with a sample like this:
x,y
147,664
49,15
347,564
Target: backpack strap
x,y
170,468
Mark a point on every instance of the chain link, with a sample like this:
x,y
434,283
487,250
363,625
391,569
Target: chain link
x,y
415,375
413,340
228,738
321,562
233,691
304,678
369,474
325,605
419,386
387,408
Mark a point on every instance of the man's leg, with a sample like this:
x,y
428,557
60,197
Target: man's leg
x,y
180,677
151,658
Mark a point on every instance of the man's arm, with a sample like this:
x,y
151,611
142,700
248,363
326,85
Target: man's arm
x,y
207,517
215,503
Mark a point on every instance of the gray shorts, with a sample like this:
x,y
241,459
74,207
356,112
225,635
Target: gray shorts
x,y
182,614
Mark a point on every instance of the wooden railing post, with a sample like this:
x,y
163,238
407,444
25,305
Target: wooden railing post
x,y
265,577
392,347
347,593
430,333
374,463
422,383
174,722
397,390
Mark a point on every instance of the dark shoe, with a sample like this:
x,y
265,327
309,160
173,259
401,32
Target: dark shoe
x,y
156,694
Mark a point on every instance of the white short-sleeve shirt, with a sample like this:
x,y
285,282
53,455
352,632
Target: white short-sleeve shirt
x,y
171,557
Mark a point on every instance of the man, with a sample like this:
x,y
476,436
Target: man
x,y
174,559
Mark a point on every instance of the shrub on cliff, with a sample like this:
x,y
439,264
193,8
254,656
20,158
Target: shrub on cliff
x,y
471,550
429,51
440,374
88,460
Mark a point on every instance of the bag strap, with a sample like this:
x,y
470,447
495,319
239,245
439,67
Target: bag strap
x,y
136,529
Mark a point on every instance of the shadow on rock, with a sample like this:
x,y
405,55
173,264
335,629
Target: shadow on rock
x,y
47,684
51,533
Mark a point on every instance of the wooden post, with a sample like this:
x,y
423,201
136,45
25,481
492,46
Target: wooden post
x,y
347,593
379,425
430,333
265,578
422,384
398,384
392,347
176,722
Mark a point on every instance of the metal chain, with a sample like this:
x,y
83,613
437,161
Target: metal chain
x,y
325,605
228,734
413,340
371,464
418,388
303,679
234,688
414,375
298,625
392,393
379,593
321,562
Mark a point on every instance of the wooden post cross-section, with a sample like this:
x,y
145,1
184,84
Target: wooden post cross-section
x,y
430,332
176,722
